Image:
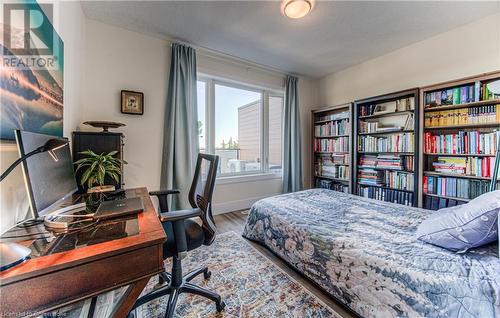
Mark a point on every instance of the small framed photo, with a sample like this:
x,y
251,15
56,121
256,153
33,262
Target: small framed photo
x,y
132,102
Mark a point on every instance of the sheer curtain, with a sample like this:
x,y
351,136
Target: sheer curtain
x,y
292,152
180,138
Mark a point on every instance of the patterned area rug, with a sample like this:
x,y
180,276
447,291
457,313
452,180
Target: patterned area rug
x,y
249,283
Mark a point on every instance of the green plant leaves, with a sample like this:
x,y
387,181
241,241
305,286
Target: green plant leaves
x,y
98,166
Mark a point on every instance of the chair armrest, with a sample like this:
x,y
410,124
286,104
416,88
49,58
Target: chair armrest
x,y
164,192
162,197
177,218
179,215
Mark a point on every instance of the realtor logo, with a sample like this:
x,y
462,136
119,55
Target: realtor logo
x,y
27,29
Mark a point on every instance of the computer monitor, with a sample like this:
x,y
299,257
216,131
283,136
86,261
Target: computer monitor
x,y
48,182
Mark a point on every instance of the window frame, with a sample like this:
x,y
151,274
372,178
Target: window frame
x,y
210,124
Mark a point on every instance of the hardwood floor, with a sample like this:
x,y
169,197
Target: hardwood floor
x,y
235,221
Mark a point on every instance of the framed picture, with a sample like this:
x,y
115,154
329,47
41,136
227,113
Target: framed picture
x,y
31,96
132,102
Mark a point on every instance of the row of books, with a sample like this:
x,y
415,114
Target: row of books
x,y
400,105
332,145
462,142
387,195
435,203
455,187
462,94
333,128
390,162
335,116
328,184
467,166
334,159
402,142
333,171
374,126
464,116
391,179
371,177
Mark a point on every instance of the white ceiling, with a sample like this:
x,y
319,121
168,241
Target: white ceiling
x,y
334,36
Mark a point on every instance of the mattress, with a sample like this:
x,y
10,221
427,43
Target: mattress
x,y
364,253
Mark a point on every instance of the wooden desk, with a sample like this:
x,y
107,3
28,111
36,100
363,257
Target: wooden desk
x,y
52,281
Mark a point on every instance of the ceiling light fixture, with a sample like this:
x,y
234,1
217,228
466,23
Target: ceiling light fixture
x,y
296,9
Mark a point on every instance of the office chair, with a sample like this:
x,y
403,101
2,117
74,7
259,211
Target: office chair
x,y
184,235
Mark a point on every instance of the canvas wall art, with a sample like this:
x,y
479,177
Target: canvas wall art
x,y
31,76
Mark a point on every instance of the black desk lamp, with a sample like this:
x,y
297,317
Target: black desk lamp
x,y
12,254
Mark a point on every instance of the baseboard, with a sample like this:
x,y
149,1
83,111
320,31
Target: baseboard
x,y
225,207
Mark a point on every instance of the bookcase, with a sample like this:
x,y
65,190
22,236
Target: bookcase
x,y
332,155
385,161
460,131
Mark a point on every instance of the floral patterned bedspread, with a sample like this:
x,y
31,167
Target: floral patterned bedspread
x,y
364,253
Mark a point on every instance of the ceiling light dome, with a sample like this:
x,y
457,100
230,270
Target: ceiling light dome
x,y
296,9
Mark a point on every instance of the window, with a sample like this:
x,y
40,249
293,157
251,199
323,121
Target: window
x,y
275,126
241,124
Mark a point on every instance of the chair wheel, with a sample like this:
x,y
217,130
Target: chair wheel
x,y
207,274
220,306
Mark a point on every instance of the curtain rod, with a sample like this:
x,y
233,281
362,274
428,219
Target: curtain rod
x,y
233,59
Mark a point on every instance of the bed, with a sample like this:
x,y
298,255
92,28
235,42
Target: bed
x,y
364,253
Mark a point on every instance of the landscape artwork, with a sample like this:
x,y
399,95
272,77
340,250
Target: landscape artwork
x,y
31,76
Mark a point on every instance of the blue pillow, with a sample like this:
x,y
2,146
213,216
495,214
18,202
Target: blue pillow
x,y
463,226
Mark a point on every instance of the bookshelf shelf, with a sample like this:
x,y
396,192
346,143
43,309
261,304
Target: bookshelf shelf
x,y
446,197
472,101
334,179
387,153
454,175
327,121
332,143
386,132
478,125
386,114
332,136
464,105
458,155
383,187
399,111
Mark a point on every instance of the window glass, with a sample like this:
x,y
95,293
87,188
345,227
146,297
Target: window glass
x,y
275,131
202,127
238,114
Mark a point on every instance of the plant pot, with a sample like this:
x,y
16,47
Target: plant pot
x,y
104,188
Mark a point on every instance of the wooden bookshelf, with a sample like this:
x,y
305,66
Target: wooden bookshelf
x,y
464,103
399,110
323,167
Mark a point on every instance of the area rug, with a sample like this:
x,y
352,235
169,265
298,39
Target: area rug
x,y
249,283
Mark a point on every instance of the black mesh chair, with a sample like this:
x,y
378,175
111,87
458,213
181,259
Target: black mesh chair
x,y
185,235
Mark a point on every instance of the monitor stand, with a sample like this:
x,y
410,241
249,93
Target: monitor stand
x,y
63,217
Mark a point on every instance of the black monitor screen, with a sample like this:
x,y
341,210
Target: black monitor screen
x,y
48,181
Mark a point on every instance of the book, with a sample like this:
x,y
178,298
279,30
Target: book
x,y
333,128
464,116
388,195
402,142
462,142
340,144
474,92
454,187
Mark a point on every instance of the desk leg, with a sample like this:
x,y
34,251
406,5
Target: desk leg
x,y
128,300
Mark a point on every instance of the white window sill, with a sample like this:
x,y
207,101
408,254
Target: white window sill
x,y
248,178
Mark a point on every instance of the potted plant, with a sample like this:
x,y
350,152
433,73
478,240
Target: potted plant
x,y
95,169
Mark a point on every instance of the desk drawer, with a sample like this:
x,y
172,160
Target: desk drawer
x,y
50,291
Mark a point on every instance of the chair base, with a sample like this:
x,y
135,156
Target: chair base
x,y
167,286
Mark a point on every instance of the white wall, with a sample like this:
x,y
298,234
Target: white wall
x,y
69,22
468,50
119,59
